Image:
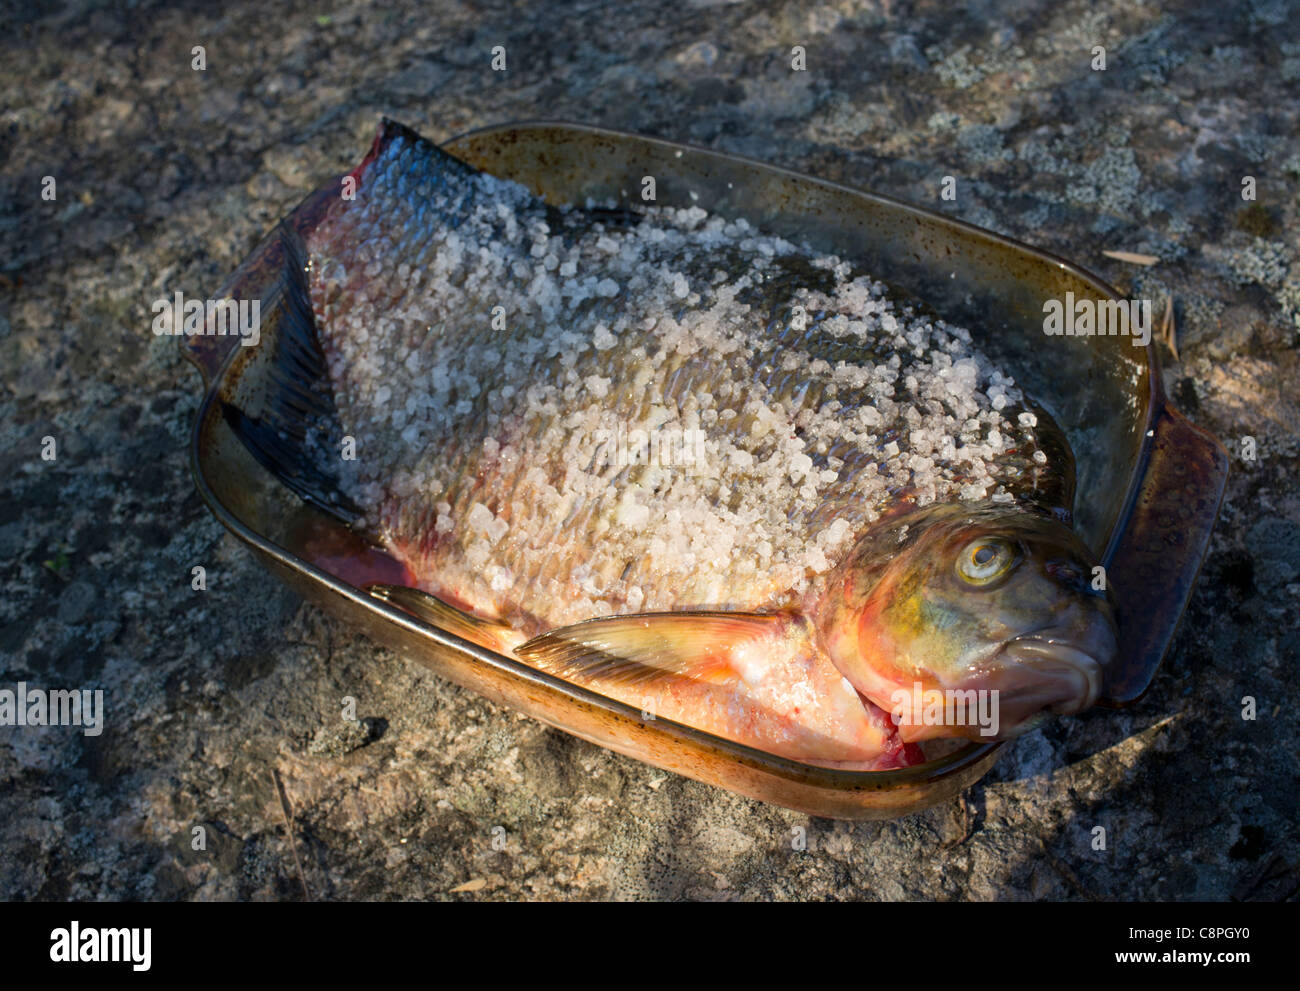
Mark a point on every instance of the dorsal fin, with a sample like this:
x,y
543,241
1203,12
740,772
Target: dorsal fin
x,y
294,431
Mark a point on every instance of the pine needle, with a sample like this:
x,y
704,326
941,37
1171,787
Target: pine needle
x,y
1168,331
288,828
1132,256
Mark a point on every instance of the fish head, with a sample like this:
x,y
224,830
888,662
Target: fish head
x,y
975,623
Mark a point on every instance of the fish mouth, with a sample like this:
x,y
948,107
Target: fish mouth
x,y
1030,677
1048,673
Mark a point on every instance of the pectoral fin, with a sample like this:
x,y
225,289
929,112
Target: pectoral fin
x,y
644,649
484,632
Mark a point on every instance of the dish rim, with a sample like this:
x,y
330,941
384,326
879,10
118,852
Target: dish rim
x,y
928,772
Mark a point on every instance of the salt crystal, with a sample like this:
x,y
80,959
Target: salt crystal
x,y
800,465
633,515
684,348
816,560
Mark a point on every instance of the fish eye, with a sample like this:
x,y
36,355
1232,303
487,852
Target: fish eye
x,y
986,559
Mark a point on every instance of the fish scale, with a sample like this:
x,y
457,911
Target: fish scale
x,y
494,357
459,469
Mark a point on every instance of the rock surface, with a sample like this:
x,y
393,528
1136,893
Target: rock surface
x,y
225,706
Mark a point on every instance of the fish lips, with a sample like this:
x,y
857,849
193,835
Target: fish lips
x,y
1049,672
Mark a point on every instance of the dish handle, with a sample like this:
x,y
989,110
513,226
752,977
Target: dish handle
x,y
1159,552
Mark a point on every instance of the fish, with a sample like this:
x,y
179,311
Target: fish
x,y
717,475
